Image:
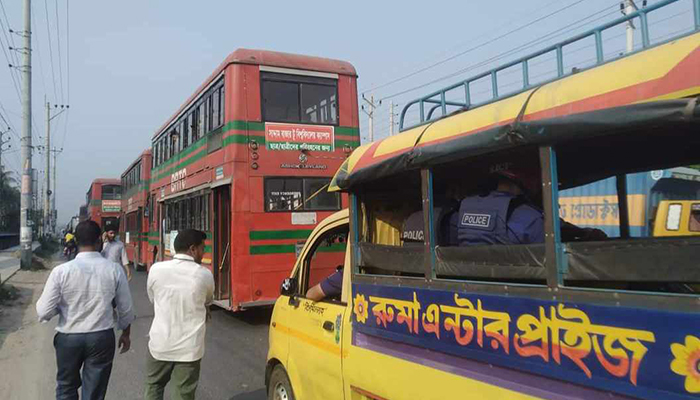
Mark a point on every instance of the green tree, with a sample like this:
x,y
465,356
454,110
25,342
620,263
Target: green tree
x,y
9,202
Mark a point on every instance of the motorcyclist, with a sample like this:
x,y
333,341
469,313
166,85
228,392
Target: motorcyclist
x,y
71,247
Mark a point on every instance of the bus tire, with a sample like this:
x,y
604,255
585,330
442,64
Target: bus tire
x,y
280,387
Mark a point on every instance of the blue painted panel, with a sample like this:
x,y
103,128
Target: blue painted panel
x,y
622,350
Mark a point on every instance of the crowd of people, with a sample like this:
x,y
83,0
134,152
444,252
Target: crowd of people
x,y
91,297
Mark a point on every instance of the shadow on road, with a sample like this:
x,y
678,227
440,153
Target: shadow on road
x,y
13,309
255,316
259,394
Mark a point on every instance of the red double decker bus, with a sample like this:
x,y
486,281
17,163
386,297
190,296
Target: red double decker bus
x,y
248,158
103,200
134,227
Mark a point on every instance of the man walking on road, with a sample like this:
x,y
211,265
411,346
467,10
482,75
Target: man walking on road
x,y
81,292
114,249
180,290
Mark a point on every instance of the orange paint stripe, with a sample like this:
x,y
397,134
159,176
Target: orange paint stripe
x,y
366,393
306,338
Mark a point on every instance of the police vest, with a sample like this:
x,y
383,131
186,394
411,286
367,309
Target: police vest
x,y
413,233
482,220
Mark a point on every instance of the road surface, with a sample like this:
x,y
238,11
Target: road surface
x,y
234,361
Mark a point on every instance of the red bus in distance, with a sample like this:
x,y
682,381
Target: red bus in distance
x,y
134,227
103,200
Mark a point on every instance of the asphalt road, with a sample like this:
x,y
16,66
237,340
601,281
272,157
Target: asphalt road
x,y
234,361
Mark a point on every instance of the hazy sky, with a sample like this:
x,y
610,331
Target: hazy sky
x,y
132,63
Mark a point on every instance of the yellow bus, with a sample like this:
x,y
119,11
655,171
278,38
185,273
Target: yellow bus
x,y
574,314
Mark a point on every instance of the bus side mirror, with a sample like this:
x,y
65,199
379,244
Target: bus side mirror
x,y
289,287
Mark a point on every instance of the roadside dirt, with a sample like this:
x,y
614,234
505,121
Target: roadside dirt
x,y
26,346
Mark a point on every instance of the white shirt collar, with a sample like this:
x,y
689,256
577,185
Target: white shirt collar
x,y
88,254
179,256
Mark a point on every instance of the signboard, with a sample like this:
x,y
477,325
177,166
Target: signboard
x,y
111,205
304,218
178,180
127,237
299,137
219,173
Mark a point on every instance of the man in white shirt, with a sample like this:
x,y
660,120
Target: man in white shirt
x,y
85,293
114,249
180,290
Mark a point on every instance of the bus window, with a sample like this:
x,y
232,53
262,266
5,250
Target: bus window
x,y
641,200
292,98
299,194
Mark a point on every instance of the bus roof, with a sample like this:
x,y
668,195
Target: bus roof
x,y
107,181
271,59
143,154
649,87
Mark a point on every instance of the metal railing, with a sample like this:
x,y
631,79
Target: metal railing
x,y
438,99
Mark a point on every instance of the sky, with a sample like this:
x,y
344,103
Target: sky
x,y
125,67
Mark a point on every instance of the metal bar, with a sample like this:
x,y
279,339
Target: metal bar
x,y
560,61
467,95
494,84
600,57
621,183
355,233
550,195
526,75
430,240
696,9
442,104
422,111
448,102
645,29
642,14
432,109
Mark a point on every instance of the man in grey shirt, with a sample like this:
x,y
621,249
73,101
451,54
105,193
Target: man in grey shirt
x,y
85,293
114,249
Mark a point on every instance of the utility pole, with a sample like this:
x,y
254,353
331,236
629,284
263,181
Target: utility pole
x,y
54,214
391,118
47,170
48,221
371,106
25,233
2,143
627,8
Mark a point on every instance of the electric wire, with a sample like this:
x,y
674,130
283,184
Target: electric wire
x,y
50,46
461,53
60,61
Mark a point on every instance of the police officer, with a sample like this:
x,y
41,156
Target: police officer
x,y
503,216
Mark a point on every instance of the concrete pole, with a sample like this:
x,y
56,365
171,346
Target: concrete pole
x,y
26,189
47,175
371,119
630,7
391,118
54,215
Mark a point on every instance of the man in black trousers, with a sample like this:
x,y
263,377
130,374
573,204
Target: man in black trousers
x,y
85,293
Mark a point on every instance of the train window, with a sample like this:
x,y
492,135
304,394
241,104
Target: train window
x,y
192,122
210,111
292,98
221,102
111,192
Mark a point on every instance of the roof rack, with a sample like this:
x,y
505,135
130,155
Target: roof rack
x,y
438,99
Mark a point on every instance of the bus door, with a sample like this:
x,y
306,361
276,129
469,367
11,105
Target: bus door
x,y
138,238
222,242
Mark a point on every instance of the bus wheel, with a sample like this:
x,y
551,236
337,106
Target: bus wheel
x,y
280,388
